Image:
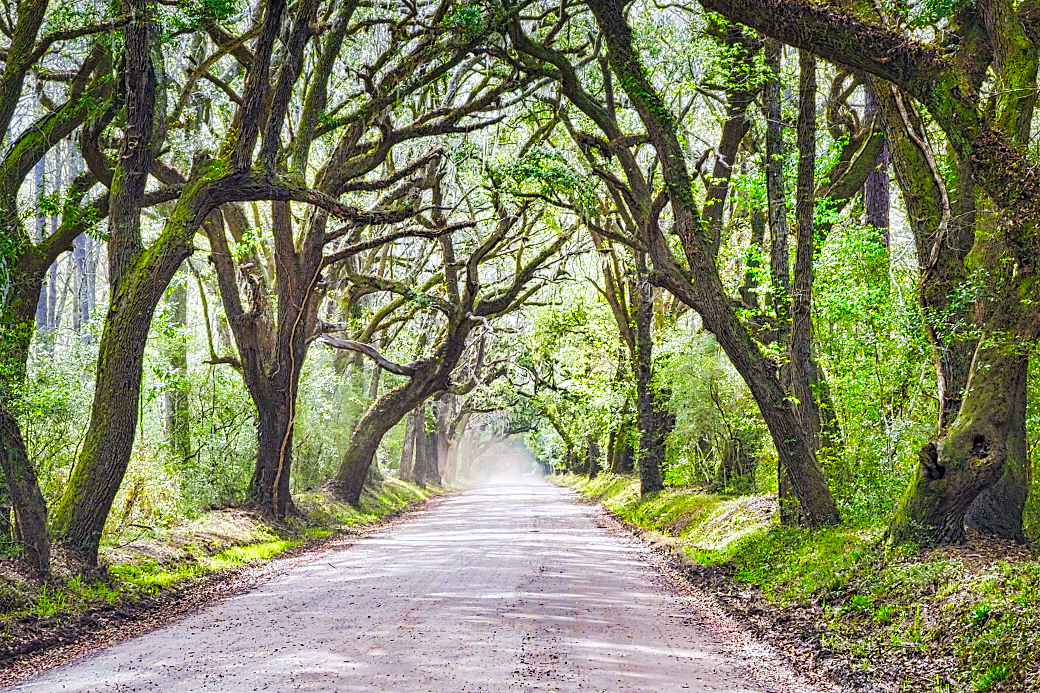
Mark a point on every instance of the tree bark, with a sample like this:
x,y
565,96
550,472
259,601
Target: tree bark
x,y
178,415
749,289
653,423
930,207
876,196
430,474
429,379
271,339
80,517
24,491
137,286
972,456
269,485
776,194
408,449
999,509
80,309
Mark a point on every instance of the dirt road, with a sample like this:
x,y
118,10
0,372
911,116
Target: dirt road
x,y
502,588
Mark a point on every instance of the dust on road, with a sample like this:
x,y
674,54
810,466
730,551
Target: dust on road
x,y
507,587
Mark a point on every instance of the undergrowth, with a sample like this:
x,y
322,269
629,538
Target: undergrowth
x,y
207,545
968,617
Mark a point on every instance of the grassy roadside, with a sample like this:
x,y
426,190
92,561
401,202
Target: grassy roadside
x,y
218,540
959,619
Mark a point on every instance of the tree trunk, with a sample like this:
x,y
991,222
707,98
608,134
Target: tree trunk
x,y
802,365
47,304
749,289
178,416
404,471
80,516
652,421
442,412
425,467
431,470
373,384
432,377
29,504
808,385
876,196
138,280
999,509
981,446
619,442
269,486
16,331
271,337
776,194
779,257
942,270
794,445
592,461
6,524
626,458
80,312
381,416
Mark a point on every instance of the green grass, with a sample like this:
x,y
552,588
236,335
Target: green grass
x,y
980,620
201,549
325,513
148,574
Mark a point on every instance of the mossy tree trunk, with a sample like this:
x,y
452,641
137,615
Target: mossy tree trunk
x,y
81,515
30,507
26,271
876,197
593,461
999,509
404,471
272,336
971,456
430,378
934,205
701,286
941,212
779,258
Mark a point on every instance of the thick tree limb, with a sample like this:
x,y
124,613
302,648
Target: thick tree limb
x,y
372,353
362,246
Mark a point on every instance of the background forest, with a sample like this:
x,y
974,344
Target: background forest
x,y
762,248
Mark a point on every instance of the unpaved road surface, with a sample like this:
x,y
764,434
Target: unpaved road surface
x,y
502,588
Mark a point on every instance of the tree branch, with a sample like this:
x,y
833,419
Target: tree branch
x,y
372,353
362,246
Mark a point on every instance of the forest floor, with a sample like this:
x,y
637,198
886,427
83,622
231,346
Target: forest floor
x,y
507,587
840,603
160,575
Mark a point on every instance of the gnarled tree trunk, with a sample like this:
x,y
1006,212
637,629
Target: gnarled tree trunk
x,y
389,409
971,456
